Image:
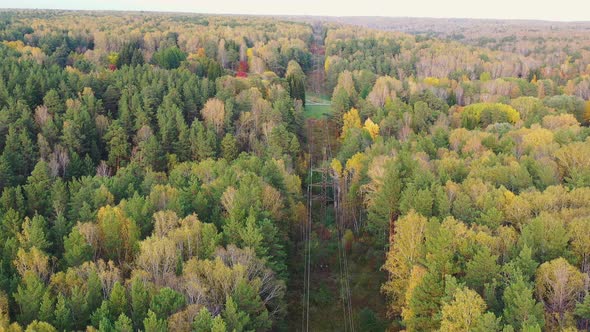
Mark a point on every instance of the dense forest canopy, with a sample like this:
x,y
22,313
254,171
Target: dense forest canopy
x,y
154,167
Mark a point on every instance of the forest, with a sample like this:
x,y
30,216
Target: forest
x,y
187,172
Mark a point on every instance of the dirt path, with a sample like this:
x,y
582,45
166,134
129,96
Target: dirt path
x,y
316,78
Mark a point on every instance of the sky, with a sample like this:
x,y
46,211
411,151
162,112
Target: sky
x,y
554,10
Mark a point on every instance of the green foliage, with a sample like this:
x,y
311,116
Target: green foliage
x,y
340,102
76,249
425,304
78,304
248,300
34,233
169,58
123,324
94,293
583,308
120,178
117,145
28,297
547,238
481,269
152,324
484,114
369,322
229,147
235,319
102,315
203,321
567,104
63,315
166,302
520,308
91,152
218,325
296,80
46,311
118,301
130,55
37,187
139,302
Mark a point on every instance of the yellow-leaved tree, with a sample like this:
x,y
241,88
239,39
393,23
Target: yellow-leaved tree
x,y
587,111
351,119
404,254
464,312
354,166
336,167
372,128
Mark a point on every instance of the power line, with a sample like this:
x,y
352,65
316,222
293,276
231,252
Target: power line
x,y
306,241
325,198
343,260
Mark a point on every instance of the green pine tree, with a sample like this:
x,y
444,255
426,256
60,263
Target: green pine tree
x,y
426,303
123,324
229,147
28,297
520,307
76,249
152,324
63,315
46,311
118,300
235,319
203,321
139,302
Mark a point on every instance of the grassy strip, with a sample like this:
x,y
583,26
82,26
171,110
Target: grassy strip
x,y
317,111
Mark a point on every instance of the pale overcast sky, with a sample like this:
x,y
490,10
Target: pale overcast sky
x,y
557,10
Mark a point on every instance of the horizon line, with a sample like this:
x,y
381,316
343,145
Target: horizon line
x,y
294,15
